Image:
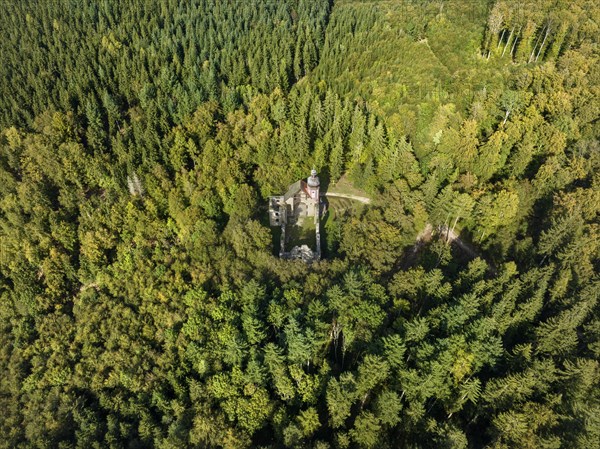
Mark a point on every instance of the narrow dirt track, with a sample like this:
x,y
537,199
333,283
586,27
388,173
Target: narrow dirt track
x,y
362,199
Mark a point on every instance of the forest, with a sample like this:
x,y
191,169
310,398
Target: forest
x,y
143,304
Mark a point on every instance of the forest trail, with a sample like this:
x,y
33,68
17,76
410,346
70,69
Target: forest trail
x,y
425,235
362,199
446,233
443,231
450,236
453,237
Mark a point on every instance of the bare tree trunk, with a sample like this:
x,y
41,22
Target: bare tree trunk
x,y
364,399
506,117
429,409
335,334
535,46
543,42
454,225
508,41
512,50
500,40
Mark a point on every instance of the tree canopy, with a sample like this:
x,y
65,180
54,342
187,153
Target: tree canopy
x,y
142,300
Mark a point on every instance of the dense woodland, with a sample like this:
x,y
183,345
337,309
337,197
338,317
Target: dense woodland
x,y
142,304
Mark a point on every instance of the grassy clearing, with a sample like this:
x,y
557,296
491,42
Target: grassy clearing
x,y
338,210
339,207
301,235
344,185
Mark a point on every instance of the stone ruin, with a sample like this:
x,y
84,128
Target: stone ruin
x,y
301,202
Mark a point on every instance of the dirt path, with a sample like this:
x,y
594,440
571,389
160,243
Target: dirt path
x,y
453,237
425,235
443,232
362,199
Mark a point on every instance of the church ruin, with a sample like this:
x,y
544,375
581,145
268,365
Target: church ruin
x,y
297,212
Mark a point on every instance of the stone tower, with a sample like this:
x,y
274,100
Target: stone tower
x,y
313,186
